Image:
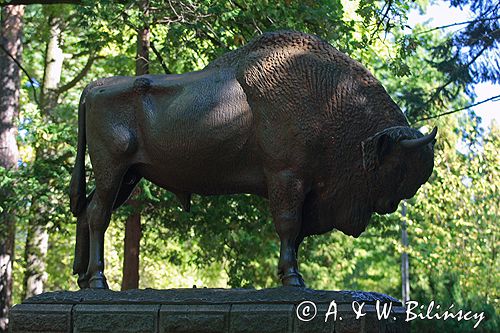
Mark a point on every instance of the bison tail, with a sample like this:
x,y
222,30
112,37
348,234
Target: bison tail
x,y
77,195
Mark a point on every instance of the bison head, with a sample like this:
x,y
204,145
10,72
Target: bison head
x,y
398,161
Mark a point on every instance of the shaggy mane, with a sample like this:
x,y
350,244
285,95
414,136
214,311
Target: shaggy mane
x,y
284,39
292,71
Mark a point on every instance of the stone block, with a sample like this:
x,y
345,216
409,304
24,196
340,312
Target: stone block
x,y
202,310
197,318
258,318
347,322
115,318
315,325
396,321
41,318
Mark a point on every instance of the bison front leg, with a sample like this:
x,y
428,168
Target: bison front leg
x,y
286,197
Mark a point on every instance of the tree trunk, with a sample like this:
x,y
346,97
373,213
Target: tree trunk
x,y
11,33
54,58
35,252
130,279
132,241
142,59
37,237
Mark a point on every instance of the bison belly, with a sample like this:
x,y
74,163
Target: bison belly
x,y
198,137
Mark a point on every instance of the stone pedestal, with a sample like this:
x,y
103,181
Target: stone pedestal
x,y
208,311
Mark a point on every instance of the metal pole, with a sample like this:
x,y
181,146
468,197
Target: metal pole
x,y
405,265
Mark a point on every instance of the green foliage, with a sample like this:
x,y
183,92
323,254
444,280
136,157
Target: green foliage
x,y
453,230
229,241
471,55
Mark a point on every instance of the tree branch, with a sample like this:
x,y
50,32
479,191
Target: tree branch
x,y
385,16
238,5
79,76
453,78
457,110
457,23
160,58
214,40
31,80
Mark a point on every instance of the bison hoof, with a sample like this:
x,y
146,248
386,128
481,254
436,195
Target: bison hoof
x,y
98,282
293,280
83,281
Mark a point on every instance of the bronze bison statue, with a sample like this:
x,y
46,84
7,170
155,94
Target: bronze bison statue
x,y
286,117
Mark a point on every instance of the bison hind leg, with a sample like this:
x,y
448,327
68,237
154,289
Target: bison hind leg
x,y
109,175
81,259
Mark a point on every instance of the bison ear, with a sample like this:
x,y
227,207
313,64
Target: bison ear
x,y
375,148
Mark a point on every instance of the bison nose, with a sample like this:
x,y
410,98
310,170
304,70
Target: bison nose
x,y
411,193
393,206
386,206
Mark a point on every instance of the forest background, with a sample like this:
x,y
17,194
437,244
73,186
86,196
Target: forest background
x,y
51,51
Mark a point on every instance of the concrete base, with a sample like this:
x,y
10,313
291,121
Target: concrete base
x,y
206,311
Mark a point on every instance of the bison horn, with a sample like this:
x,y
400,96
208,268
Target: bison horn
x,y
415,143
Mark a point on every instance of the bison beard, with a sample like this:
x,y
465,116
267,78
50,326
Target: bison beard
x,y
287,117
349,214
